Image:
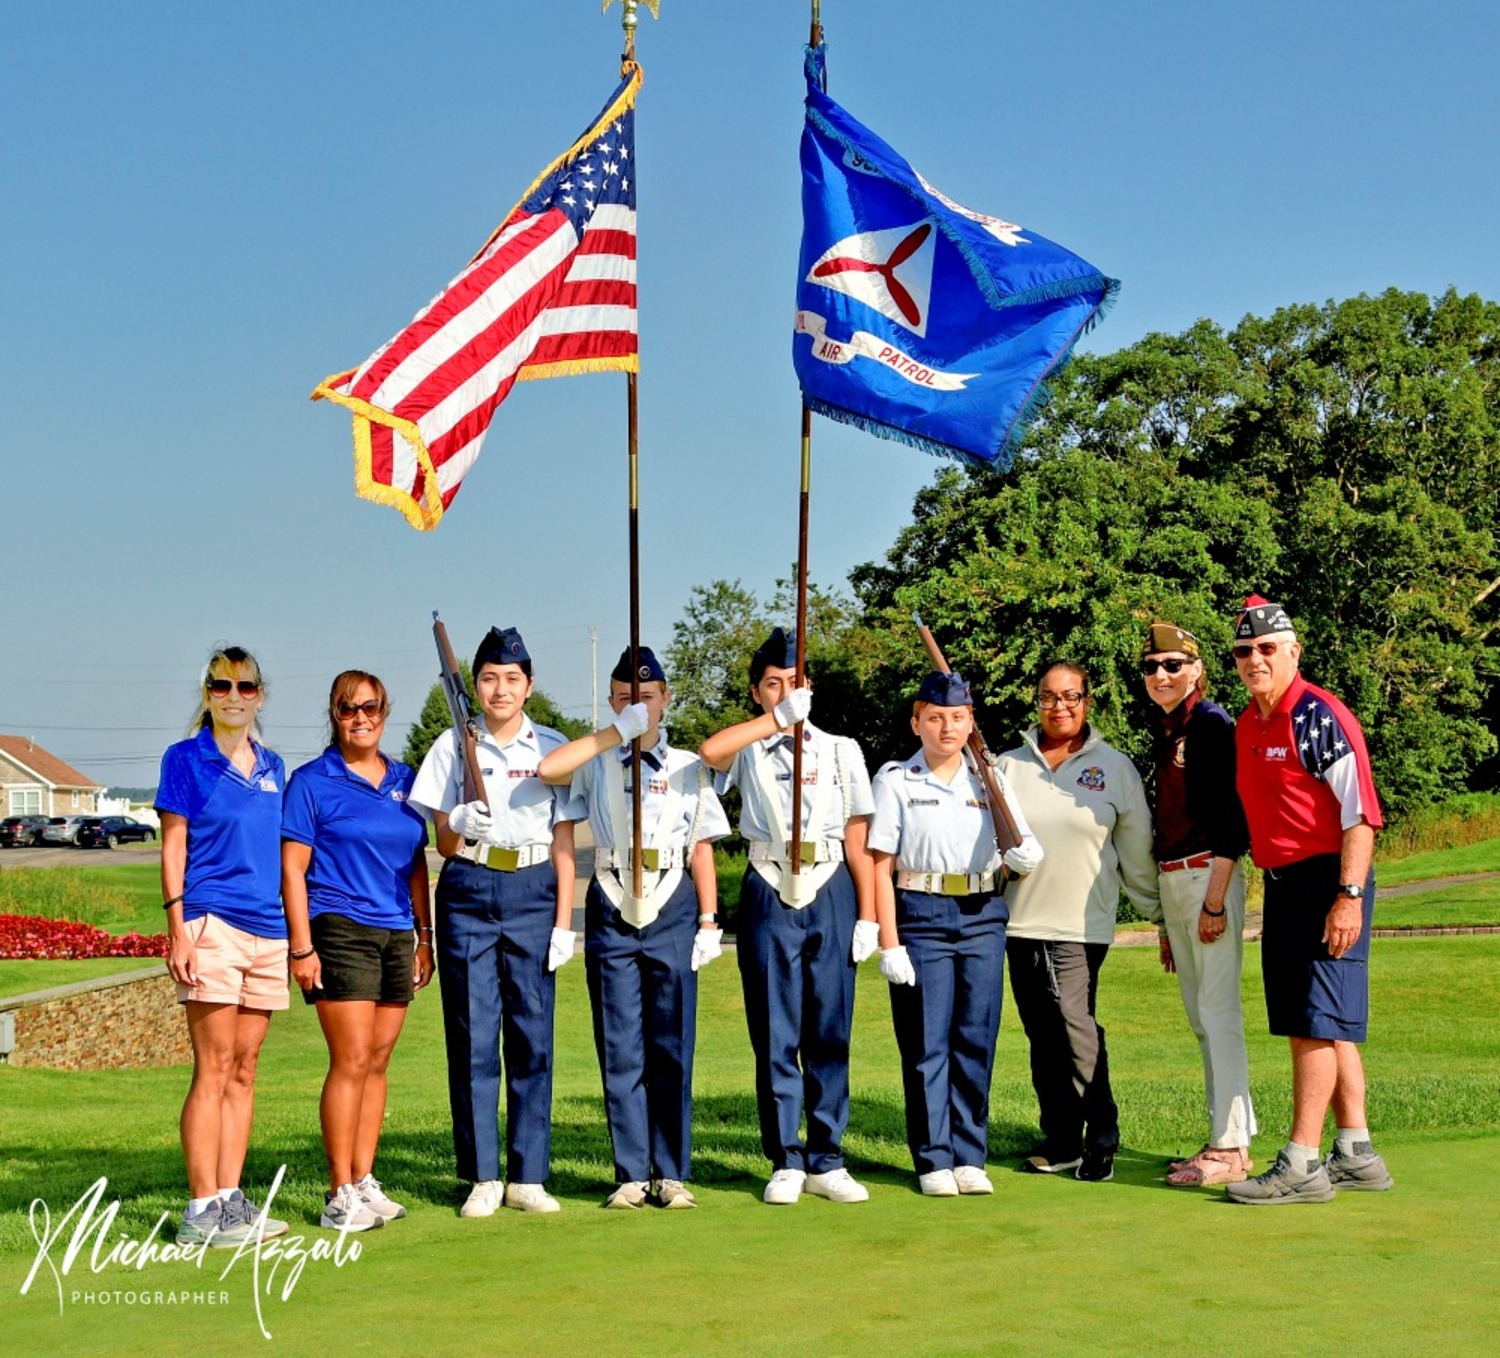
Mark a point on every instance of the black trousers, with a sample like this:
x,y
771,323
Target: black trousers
x,y
1054,986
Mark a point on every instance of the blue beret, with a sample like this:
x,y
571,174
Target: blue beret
x,y
779,650
502,648
945,690
649,669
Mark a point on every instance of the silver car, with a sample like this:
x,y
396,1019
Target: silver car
x,y
61,829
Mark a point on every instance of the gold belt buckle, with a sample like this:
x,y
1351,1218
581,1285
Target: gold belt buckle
x,y
651,859
506,860
809,852
955,884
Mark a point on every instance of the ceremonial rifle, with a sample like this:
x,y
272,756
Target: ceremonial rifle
x,y
1007,834
461,710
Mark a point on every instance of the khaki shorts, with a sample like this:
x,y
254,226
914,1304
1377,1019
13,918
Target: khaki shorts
x,y
235,967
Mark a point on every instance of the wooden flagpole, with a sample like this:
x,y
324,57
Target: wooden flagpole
x,y
627,62
815,38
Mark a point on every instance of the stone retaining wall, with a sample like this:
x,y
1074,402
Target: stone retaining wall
x,y
111,1023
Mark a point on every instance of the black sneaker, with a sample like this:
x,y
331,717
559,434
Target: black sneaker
x,y
1096,1166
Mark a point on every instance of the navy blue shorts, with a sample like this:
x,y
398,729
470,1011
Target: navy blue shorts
x,y
1309,993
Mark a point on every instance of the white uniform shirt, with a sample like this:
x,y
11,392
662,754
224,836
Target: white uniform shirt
x,y
933,826
523,809
850,795
699,812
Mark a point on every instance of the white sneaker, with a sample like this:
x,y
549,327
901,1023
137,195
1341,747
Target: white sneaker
x,y
940,1183
373,1196
627,1196
483,1200
837,1185
530,1198
972,1179
785,1187
346,1211
674,1195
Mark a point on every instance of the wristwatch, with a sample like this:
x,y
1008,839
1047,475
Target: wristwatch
x,y
1350,890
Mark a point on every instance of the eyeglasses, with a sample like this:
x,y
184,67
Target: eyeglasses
x,y
371,707
1245,651
222,688
1149,667
1047,701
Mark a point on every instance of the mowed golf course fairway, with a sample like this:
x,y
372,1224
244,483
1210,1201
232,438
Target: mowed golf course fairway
x,y
1046,1265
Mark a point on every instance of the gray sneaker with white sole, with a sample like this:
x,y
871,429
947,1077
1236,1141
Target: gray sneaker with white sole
x,y
1283,1183
1364,1171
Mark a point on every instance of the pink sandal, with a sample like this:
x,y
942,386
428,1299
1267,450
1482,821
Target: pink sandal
x,y
1211,1166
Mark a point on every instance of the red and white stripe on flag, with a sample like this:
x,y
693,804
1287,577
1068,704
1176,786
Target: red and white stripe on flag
x,y
552,292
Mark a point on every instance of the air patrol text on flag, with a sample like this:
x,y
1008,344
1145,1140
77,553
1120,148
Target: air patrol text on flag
x,y
551,292
918,319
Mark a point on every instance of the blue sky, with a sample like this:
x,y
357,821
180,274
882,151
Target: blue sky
x,y
205,209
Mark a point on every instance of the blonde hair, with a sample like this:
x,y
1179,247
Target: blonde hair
x,y
236,656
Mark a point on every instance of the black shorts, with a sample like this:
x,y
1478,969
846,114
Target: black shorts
x,y
1309,993
361,962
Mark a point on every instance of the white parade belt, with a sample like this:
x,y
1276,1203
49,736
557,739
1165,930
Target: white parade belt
x,y
813,851
652,860
503,859
945,883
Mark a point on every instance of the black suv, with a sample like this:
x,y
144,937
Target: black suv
x,y
16,831
104,832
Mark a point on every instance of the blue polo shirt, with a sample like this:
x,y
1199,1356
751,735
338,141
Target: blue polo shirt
x,y
364,839
233,832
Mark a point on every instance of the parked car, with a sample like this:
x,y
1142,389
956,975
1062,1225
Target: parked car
x,y
105,832
61,829
19,831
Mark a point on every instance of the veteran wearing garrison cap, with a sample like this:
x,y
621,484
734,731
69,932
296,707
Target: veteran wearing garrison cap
x,y
643,953
799,940
504,925
941,909
1304,779
1199,836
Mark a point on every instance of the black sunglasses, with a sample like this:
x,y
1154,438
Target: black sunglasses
x,y
1149,667
371,707
221,688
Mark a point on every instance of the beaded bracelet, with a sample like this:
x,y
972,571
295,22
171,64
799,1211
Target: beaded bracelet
x,y
301,956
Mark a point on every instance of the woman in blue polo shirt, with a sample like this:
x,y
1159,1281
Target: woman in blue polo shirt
x,y
219,799
354,881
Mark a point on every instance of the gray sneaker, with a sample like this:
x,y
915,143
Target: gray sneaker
x,y
346,1211
239,1210
1283,1183
1364,1171
211,1228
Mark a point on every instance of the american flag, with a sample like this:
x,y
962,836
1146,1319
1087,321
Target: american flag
x,y
551,292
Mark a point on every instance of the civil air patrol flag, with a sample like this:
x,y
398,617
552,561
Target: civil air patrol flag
x,y
919,319
551,292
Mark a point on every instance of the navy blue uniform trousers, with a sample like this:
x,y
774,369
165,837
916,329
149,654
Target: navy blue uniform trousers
x,y
493,929
798,979
644,994
946,1024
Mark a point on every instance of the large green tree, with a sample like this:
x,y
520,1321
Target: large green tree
x,y
1344,459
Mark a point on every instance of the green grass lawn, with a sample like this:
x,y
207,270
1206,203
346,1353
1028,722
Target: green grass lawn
x,y
1045,1266
1469,904
1481,857
19,978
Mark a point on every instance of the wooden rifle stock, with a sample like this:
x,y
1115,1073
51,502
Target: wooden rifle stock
x,y
462,712
1007,834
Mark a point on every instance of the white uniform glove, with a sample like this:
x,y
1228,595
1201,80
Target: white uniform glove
x,y
471,820
707,945
560,949
896,967
866,940
632,722
793,708
1025,857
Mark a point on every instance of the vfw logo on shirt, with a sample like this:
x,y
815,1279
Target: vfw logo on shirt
x,y
1277,754
267,784
1092,778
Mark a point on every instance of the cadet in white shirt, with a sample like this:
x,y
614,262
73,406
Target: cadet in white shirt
x,y
504,925
798,937
940,905
643,953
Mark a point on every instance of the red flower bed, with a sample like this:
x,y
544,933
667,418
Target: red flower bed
x,y
30,938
